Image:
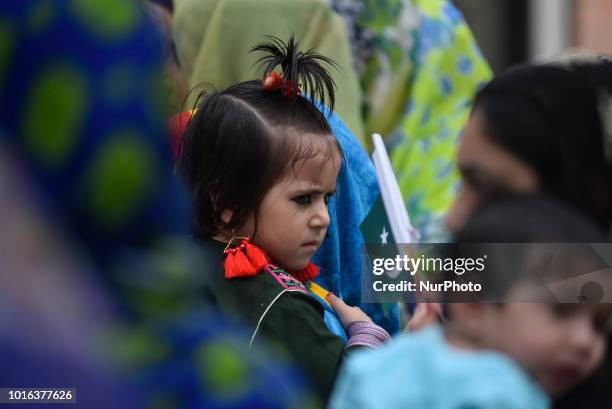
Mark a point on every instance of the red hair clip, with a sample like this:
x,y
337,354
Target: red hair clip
x,y
273,81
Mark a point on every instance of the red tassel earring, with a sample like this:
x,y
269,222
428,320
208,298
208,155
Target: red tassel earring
x,y
244,260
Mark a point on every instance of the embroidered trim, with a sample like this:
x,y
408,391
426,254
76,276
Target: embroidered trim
x,y
264,314
286,280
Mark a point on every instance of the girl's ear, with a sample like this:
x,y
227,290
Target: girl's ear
x,y
469,316
226,215
480,321
466,311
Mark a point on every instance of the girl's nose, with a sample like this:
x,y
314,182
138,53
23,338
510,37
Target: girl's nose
x,y
583,336
320,218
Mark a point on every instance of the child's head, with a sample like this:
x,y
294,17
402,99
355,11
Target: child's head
x,y
557,344
263,162
540,128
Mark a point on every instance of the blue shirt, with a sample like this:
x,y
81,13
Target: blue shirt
x,y
421,370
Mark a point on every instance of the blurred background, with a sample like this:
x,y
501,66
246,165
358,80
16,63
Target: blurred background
x,y
514,31
87,186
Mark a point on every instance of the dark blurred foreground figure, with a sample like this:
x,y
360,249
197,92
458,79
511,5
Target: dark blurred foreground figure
x,y
98,289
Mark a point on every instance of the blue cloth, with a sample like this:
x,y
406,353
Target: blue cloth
x,y
341,258
420,370
330,317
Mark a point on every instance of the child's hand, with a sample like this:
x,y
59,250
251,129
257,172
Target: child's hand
x,y
424,315
346,313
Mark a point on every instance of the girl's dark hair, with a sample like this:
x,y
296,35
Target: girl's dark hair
x,y
548,116
528,218
244,139
537,222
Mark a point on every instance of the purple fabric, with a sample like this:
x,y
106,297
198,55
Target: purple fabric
x,y
366,334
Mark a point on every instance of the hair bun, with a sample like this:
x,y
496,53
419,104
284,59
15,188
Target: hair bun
x,y
302,72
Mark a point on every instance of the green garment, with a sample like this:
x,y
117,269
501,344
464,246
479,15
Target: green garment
x,y
213,39
283,317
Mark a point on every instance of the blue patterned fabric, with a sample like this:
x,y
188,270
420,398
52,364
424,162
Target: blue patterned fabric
x,y
84,124
341,258
80,88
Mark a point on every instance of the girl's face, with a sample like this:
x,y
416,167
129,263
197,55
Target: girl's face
x,y
485,168
557,344
293,217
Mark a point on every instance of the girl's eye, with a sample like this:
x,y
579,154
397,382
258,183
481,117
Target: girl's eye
x,y
328,197
563,310
302,200
599,324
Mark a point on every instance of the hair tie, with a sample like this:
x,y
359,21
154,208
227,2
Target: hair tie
x,y
300,69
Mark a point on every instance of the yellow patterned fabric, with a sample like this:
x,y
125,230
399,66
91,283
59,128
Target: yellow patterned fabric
x,y
419,68
449,70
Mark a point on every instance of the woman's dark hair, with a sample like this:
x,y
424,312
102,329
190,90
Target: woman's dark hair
x,y
548,116
244,139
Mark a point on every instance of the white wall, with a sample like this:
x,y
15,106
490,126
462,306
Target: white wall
x,y
550,27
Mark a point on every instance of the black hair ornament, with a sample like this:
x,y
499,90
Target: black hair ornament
x,y
296,66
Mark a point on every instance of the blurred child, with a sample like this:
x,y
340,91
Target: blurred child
x,y
491,355
262,164
544,128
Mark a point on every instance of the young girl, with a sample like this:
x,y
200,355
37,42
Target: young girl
x,y
261,162
503,354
